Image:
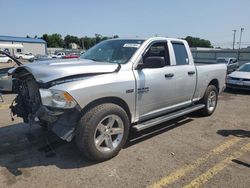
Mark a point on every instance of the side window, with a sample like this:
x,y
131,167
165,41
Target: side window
x,y
180,52
159,49
18,50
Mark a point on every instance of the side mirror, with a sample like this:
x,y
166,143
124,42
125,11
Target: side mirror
x,y
152,62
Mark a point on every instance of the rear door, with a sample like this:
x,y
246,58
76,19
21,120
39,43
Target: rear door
x,y
185,74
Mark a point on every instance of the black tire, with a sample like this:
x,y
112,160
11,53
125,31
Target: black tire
x,y
9,61
85,133
207,111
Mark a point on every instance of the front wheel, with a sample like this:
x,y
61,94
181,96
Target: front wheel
x,y
102,132
210,100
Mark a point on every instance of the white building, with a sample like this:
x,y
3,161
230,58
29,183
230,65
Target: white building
x,y
26,45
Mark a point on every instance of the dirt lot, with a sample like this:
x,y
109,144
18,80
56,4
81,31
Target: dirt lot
x,y
192,151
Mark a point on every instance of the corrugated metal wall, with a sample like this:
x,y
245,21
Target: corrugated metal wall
x,y
211,55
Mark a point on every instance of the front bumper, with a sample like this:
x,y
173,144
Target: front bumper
x,y
61,122
238,83
28,105
235,86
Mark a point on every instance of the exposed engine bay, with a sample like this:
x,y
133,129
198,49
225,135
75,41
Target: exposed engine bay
x,y
28,106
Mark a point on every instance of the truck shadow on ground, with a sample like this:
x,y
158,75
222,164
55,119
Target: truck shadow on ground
x,y
25,147
235,132
136,137
237,91
22,146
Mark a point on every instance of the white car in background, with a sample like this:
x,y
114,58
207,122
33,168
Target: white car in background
x,y
239,79
58,55
26,56
5,59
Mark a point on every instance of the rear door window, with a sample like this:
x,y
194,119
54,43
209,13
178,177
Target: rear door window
x,y
180,52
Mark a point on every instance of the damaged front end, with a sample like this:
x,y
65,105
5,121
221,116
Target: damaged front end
x,y
56,110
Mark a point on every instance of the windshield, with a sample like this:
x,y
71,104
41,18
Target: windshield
x,y
244,68
113,51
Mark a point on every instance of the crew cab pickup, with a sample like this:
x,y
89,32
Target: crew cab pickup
x,y
117,85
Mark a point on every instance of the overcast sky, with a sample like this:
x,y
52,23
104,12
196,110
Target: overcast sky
x,y
209,19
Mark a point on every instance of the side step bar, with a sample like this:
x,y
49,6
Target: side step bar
x,y
156,121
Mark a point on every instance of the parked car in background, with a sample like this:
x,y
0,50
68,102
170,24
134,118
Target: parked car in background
x,y
82,52
5,59
42,57
5,78
71,56
239,79
231,62
26,56
116,86
58,55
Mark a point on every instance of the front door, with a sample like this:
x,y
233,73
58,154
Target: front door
x,y
155,86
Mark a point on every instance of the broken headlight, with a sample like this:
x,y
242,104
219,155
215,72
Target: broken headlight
x,y
57,99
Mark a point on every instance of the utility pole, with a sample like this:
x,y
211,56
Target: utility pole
x,y
241,30
238,54
234,37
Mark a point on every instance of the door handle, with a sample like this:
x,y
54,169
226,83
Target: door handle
x,y
191,72
169,75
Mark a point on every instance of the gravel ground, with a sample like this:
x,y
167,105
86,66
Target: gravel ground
x,y
191,151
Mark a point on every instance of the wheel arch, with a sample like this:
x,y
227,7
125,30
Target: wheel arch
x,y
115,100
215,82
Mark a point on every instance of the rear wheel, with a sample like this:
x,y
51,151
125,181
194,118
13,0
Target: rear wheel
x,y
210,100
102,132
9,61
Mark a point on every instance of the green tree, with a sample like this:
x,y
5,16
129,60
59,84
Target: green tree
x,y
105,38
45,37
71,39
89,42
98,38
197,42
55,40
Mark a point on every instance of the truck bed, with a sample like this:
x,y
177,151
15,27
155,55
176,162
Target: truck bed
x,y
206,73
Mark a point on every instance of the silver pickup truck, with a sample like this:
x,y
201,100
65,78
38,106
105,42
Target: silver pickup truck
x,y
116,86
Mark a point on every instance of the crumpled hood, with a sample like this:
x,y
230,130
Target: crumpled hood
x,y
240,74
46,71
